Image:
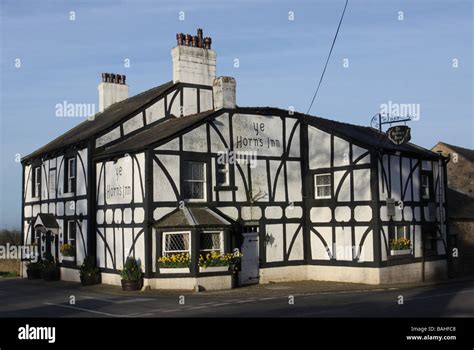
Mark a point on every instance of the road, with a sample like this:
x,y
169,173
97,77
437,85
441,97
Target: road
x,y
23,298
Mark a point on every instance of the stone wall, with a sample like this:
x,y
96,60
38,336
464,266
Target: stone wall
x,y
465,241
10,265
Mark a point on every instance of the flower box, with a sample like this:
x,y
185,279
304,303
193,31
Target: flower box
x,y
214,268
174,270
68,258
400,252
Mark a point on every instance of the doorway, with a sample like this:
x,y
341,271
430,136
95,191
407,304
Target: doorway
x,y
250,263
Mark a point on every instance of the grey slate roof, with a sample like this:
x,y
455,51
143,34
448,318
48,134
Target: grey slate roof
x,y
48,220
102,121
362,134
465,152
192,217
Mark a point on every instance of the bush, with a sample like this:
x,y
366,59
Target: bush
x,y
10,236
131,270
88,268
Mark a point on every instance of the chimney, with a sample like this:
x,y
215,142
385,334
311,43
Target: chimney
x,y
193,60
112,89
223,89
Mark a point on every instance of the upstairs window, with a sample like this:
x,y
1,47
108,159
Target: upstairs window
x,y
194,181
70,175
425,186
52,183
322,186
36,182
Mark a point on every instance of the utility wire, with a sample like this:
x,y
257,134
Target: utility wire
x,y
329,56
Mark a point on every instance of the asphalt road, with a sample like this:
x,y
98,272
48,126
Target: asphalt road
x,y
23,298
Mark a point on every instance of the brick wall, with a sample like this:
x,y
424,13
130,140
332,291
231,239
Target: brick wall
x,y
465,241
460,170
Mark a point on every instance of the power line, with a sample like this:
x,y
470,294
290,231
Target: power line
x,y
329,56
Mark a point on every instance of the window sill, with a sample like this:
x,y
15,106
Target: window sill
x,y
225,188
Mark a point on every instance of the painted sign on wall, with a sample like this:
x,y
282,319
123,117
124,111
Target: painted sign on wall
x,y
118,181
261,134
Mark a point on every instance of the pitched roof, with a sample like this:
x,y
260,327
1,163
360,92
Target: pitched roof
x,y
46,220
155,133
460,205
102,120
362,134
465,152
192,217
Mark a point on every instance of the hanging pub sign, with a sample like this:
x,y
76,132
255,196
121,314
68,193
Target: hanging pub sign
x,y
399,134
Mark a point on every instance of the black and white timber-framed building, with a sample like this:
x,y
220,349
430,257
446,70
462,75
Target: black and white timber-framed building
x,y
182,168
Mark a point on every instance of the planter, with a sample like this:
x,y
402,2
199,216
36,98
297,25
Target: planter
x,y
174,270
128,285
90,280
68,258
400,252
50,275
214,269
33,274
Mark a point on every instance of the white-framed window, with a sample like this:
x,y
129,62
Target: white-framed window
x,y
425,186
52,183
71,232
222,175
194,180
37,181
176,242
211,241
70,175
322,185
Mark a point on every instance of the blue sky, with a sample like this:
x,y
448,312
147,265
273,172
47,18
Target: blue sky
x,y
407,61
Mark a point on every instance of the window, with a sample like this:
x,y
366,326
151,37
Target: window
x,y
401,232
36,182
71,233
70,175
176,242
212,241
322,186
425,186
194,181
52,183
222,176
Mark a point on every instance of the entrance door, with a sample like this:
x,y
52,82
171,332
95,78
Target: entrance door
x,y
249,273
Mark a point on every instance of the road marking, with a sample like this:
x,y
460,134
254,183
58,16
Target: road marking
x,y
269,298
197,307
221,304
170,310
209,303
440,295
86,310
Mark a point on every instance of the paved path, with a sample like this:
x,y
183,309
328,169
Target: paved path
x,y
23,298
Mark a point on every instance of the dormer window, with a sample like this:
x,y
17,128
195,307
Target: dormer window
x,y
70,175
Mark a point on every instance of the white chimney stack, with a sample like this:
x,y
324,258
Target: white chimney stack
x,y
112,89
223,90
193,60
